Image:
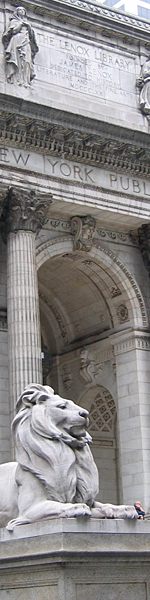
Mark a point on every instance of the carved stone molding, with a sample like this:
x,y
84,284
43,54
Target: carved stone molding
x,y
44,252
106,19
131,341
83,229
72,140
130,279
24,210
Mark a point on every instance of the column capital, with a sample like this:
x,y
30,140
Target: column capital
x,y
128,340
24,210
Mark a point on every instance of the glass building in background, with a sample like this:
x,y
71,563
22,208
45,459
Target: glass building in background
x,y
140,8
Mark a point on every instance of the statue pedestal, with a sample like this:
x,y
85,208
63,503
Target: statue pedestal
x,y
76,559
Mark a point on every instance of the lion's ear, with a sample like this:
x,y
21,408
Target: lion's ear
x,y
49,390
34,394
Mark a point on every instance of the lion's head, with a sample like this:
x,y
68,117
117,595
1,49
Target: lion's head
x,y
44,427
51,416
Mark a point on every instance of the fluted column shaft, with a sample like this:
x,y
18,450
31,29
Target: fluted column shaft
x,y
24,214
24,345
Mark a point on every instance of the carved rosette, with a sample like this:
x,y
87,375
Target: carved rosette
x,y
24,210
83,229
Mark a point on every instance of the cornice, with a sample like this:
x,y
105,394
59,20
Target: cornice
x,y
130,340
91,15
67,136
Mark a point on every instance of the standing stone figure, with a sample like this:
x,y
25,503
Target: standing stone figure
x,y
20,49
143,83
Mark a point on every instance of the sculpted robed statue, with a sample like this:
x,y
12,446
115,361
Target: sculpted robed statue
x,y
20,49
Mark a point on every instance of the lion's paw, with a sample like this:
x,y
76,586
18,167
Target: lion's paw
x,y
78,510
131,513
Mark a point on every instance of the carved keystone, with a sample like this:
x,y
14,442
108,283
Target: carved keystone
x,y
83,229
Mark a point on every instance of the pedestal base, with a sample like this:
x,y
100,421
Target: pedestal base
x,y
76,559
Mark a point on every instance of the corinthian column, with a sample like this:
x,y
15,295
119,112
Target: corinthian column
x,y
25,215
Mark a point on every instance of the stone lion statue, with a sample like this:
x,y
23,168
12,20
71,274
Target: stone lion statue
x,y
56,475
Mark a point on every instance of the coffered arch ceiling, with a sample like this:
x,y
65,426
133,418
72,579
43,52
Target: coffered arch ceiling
x,y
84,297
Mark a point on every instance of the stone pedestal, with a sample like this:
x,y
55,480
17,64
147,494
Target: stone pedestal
x,y
70,559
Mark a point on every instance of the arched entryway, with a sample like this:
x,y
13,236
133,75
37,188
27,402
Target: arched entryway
x,y
87,300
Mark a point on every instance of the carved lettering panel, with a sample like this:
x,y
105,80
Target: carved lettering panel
x,y
114,591
85,68
57,168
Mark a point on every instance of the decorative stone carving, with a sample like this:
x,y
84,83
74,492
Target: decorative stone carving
x,y
102,412
31,133
20,49
143,83
131,341
90,367
24,210
115,291
83,229
122,313
55,475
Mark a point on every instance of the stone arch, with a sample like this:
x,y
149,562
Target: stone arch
x,y
64,246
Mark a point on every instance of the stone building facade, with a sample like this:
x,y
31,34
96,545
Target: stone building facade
x,y
75,233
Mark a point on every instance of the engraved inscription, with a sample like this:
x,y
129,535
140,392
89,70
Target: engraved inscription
x,y
85,67
75,172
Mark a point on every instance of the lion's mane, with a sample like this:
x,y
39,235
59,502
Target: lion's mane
x,y
41,448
